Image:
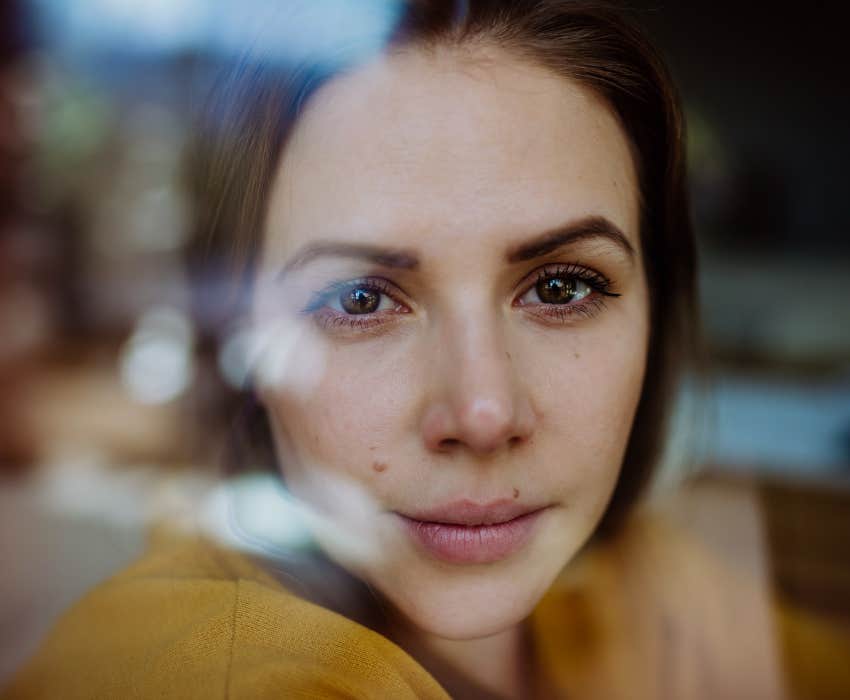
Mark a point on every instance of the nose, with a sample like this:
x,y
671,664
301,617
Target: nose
x,y
477,402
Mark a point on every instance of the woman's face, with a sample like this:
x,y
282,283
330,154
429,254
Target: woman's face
x,y
456,323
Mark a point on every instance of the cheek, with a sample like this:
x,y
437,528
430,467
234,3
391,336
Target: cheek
x,y
589,385
350,420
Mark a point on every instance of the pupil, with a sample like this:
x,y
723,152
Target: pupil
x,y
556,290
360,300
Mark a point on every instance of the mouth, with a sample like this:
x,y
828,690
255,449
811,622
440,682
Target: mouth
x,y
465,532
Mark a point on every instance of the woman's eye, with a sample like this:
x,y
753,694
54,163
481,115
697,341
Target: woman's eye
x,y
565,293
556,289
360,300
356,305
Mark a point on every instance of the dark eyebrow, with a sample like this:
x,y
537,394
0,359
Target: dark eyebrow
x,y
543,244
387,257
583,229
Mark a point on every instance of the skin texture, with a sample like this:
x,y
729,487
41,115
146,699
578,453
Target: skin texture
x,y
463,384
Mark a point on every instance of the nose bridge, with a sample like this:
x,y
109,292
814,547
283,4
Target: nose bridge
x,y
478,402
478,356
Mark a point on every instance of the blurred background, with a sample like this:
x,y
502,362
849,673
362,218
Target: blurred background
x,y
113,397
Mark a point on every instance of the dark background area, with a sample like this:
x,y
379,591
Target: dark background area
x,y
770,82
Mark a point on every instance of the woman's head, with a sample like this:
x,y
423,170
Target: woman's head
x,y
470,261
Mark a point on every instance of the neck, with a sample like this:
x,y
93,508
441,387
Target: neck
x,y
496,666
487,667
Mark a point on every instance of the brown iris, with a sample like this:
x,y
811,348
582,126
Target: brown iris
x,y
556,290
360,300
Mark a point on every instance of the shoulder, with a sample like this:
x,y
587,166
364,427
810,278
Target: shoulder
x,y
194,620
171,609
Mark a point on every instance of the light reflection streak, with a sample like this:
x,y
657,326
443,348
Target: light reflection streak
x,y
326,32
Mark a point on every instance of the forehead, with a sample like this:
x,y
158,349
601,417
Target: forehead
x,y
450,146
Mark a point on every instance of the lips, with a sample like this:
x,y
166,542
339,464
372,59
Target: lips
x,y
465,532
468,512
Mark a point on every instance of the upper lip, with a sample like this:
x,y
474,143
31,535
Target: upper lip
x,y
468,512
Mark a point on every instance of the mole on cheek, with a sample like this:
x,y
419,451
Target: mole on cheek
x,y
379,466
516,493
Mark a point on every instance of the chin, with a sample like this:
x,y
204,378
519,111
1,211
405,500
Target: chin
x,y
465,601
468,602
463,612
456,603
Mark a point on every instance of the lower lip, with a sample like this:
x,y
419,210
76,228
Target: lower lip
x,y
472,544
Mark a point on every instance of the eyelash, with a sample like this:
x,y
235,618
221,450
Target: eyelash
x,y
331,319
601,288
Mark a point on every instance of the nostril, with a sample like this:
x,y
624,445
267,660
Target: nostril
x,y
449,444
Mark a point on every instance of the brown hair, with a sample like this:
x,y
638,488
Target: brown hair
x,y
255,105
